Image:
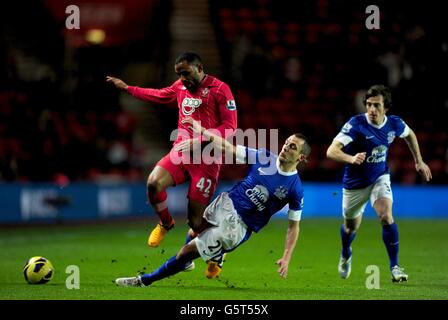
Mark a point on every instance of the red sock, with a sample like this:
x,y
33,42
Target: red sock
x,y
159,204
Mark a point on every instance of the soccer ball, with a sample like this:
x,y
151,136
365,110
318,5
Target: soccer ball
x,y
38,270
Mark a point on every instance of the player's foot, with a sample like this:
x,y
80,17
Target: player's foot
x,y
398,274
157,235
214,267
129,282
345,267
189,266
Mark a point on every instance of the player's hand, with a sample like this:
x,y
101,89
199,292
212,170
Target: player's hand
x,y
195,125
424,170
187,145
283,267
118,83
358,158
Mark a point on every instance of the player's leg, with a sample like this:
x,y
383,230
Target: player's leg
x,y
190,236
164,175
353,205
203,183
348,232
383,208
158,180
382,200
204,179
200,192
226,232
195,221
173,265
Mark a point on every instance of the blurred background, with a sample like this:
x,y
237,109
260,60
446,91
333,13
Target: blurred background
x,y
298,66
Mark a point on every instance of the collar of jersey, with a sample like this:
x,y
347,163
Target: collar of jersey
x,y
206,82
284,173
374,125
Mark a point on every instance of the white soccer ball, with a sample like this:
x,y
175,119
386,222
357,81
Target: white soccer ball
x,y
38,270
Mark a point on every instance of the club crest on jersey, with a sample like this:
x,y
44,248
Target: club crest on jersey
x,y
205,92
390,137
231,105
189,105
281,192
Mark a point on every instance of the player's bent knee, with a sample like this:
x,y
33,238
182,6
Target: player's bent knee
x,y
187,252
351,225
385,218
182,252
154,186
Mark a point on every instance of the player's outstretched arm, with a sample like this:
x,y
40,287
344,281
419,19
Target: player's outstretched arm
x,y
290,243
420,166
209,134
334,152
118,83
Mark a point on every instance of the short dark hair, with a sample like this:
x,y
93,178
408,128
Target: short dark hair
x,y
377,90
306,148
190,57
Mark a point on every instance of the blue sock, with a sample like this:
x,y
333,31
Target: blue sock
x,y
390,239
346,240
170,267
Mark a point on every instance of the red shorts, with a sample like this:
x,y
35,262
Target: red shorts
x,y
203,177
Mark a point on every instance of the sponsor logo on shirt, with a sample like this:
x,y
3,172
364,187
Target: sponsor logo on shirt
x,y
258,195
231,105
378,155
189,105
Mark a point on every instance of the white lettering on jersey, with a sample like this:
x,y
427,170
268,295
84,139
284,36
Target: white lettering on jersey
x,y
189,105
378,155
258,195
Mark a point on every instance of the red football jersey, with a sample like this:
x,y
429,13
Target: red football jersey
x,y
212,104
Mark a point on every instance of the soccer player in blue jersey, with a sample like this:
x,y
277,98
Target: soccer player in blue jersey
x,y
247,207
363,144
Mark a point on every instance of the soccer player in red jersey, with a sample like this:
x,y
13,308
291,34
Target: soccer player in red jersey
x,y
203,98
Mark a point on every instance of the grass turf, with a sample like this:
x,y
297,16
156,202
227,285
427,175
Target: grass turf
x,y
107,251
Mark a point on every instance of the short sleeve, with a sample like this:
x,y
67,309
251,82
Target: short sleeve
x,y
401,128
296,206
347,133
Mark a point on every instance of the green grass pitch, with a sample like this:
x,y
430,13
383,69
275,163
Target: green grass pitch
x,y
110,250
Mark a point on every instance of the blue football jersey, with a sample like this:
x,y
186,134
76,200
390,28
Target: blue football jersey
x,y
264,191
360,135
